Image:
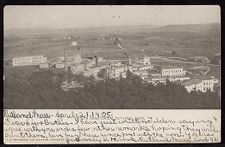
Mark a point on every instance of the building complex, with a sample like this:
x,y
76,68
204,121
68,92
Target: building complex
x,y
137,65
28,60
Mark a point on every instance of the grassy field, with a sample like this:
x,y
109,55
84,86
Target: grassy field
x,y
187,40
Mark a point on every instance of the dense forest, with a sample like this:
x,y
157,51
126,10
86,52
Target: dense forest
x,y
34,88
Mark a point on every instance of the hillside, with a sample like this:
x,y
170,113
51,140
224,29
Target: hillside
x,y
200,39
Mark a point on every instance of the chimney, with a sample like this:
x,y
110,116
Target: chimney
x,y
96,61
65,60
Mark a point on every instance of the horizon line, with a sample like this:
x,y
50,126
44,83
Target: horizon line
x,y
86,27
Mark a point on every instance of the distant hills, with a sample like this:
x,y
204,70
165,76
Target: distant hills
x,y
190,28
105,30
187,39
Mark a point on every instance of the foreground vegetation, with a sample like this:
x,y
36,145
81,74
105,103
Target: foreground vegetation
x,y
34,88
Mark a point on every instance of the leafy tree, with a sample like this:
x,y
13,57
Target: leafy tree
x,y
102,73
174,54
41,89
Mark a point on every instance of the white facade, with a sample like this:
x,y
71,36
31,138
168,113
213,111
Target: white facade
x,y
145,67
143,74
157,80
200,85
60,65
100,59
93,71
74,59
59,59
145,60
28,60
173,79
88,63
77,68
74,43
116,72
140,67
173,72
44,65
116,64
142,60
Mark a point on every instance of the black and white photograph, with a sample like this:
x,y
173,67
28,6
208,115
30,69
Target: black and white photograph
x,y
112,74
112,57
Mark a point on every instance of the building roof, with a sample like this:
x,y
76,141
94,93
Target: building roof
x,y
45,62
138,56
60,63
153,72
121,66
191,82
30,56
140,71
170,67
201,77
85,61
103,63
179,77
157,78
99,66
146,65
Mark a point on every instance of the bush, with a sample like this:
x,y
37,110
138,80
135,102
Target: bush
x,y
41,89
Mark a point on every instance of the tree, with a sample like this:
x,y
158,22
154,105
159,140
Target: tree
x,y
102,73
38,90
174,54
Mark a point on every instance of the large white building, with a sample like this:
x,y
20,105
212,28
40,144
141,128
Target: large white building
x,y
77,68
200,84
140,67
28,60
156,80
44,65
142,60
141,73
94,70
73,59
173,72
117,71
180,79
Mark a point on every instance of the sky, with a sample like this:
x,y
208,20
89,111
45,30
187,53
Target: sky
x,y
53,17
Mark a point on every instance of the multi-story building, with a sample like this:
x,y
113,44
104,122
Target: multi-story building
x,y
116,64
172,71
154,73
156,80
73,59
117,71
28,60
44,65
136,67
88,63
145,67
60,65
200,84
156,77
141,73
180,79
94,70
142,60
77,68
